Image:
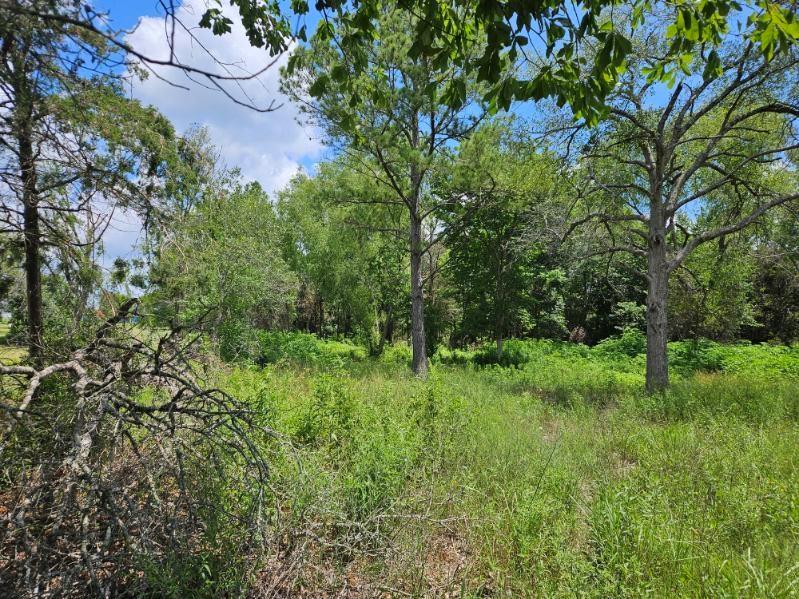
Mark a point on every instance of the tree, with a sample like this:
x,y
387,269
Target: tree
x,y
775,280
708,161
221,269
710,295
401,131
347,272
552,34
498,255
74,148
70,136
85,29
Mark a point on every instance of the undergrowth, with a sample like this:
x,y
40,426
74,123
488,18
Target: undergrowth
x,y
557,476
547,472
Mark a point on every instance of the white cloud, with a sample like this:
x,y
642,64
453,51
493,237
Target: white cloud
x,y
122,236
267,147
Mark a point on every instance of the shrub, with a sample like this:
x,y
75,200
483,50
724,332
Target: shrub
x,y
630,343
398,353
515,352
444,355
695,355
304,349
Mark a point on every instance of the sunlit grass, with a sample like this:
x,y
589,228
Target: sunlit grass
x,y
9,354
559,478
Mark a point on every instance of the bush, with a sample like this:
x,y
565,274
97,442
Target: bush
x,y
398,353
237,341
515,352
630,343
695,355
304,349
444,355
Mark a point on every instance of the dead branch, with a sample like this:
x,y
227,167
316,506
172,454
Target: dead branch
x,y
139,454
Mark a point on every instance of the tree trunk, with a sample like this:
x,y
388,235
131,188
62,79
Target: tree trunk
x,y
419,364
657,362
33,282
385,333
390,329
30,217
499,306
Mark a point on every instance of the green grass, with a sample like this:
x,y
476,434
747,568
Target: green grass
x,y
556,478
552,476
9,354
12,354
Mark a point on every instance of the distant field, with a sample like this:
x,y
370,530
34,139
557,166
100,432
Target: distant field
x,y
9,354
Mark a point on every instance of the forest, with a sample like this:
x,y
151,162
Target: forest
x,y
527,326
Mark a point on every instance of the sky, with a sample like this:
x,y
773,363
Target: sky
x,y
268,147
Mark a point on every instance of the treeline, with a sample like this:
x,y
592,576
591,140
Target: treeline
x,y
505,251
326,257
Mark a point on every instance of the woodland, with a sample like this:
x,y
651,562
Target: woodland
x,y
530,326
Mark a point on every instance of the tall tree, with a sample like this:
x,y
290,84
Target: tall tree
x,y
401,130
71,142
707,161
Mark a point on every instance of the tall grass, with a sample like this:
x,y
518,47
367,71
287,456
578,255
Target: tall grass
x,y
556,477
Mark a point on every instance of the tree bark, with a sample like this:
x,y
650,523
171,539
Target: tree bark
x,y
418,341
33,282
320,316
499,306
30,216
657,361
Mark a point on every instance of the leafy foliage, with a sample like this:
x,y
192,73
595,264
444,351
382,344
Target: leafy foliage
x,y
222,267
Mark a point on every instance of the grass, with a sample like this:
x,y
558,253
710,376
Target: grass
x,y
556,478
550,475
9,354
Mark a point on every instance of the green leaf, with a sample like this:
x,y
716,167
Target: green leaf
x,y
713,67
319,87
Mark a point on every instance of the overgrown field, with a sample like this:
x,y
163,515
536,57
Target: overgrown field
x,y
556,476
